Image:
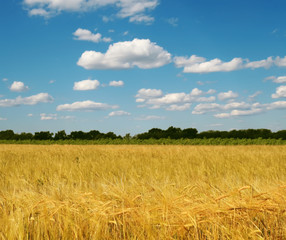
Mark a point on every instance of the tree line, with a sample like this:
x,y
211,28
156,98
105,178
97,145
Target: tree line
x,y
154,133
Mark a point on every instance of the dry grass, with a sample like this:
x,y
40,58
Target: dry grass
x,y
142,192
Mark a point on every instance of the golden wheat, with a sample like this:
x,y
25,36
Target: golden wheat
x,y
142,192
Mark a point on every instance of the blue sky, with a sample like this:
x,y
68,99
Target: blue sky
x,y
131,65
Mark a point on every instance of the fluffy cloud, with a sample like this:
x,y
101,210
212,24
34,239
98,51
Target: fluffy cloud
x,y
175,107
276,105
280,62
119,113
116,83
203,108
206,107
86,35
128,8
196,64
149,93
85,106
266,63
86,85
280,92
45,116
227,95
154,99
142,18
32,100
18,87
141,53
236,113
281,79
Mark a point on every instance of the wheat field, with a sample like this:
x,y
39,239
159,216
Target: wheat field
x,y
142,192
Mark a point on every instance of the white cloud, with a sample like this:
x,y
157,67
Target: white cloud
x,y
206,99
236,113
45,116
196,92
154,99
280,62
196,64
86,35
281,79
276,105
85,106
86,85
140,100
125,33
235,105
141,19
3,119
127,8
141,53
266,63
206,107
280,92
30,115
175,107
227,95
5,79
116,83
203,108
211,91
151,117
40,12
52,81
171,98
119,113
18,87
32,100
149,93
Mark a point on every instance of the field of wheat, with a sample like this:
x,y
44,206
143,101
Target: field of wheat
x,y
142,192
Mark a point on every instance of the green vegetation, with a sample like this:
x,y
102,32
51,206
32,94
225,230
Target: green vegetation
x,y
172,135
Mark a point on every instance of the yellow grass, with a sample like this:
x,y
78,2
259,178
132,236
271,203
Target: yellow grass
x,y
142,192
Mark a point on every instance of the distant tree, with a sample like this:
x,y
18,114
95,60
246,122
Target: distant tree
x,y
43,135
280,134
110,135
94,134
60,135
25,136
7,135
189,133
127,136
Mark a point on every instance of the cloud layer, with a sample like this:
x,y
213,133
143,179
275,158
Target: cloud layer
x,y
86,85
18,87
141,53
86,35
132,9
32,100
85,106
196,64
155,99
